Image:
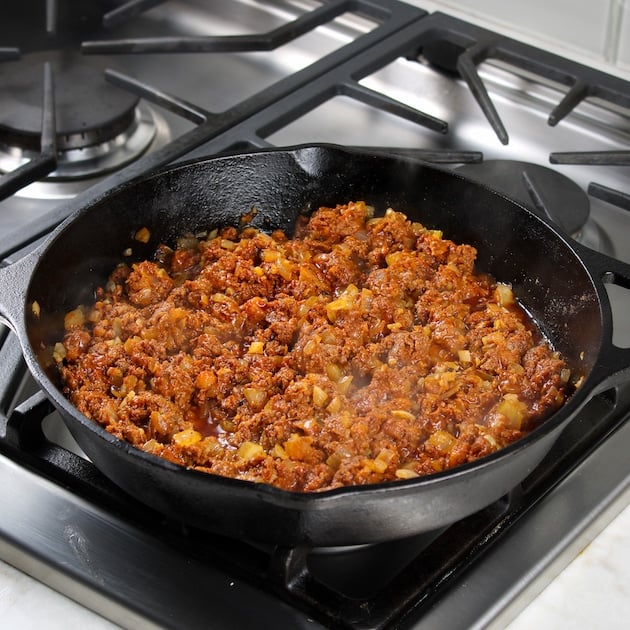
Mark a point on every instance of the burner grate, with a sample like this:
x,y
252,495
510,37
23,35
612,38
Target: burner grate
x,y
389,16
232,43
460,47
46,162
598,158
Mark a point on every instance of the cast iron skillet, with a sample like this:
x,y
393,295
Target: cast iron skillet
x,y
558,281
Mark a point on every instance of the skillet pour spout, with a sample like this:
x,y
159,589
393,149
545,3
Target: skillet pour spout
x,y
561,284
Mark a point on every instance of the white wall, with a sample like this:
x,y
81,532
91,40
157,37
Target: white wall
x,y
594,32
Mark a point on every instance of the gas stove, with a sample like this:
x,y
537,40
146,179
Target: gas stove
x,y
99,96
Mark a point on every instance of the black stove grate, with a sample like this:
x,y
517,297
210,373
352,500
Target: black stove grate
x,y
46,161
598,158
434,35
231,43
389,16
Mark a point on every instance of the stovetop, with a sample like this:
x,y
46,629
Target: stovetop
x,y
379,74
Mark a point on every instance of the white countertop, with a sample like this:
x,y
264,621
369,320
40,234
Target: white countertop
x,y
592,592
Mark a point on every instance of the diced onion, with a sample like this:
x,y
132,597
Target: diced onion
x,y
320,397
505,297
403,414
334,406
187,437
279,452
334,461
255,397
334,372
142,235
343,384
206,379
382,460
256,347
74,319
249,450
464,356
513,409
344,302
59,352
406,473
442,441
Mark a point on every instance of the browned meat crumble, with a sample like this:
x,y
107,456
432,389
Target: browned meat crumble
x,y
358,351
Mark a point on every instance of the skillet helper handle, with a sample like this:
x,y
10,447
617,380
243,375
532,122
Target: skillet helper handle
x,y
613,365
14,281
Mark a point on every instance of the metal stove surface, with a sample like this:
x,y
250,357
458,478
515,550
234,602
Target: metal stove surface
x,y
79,544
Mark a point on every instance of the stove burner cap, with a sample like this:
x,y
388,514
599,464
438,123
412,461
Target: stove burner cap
x,y
88,110
553,196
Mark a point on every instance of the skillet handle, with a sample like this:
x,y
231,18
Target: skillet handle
x,y
14,282
613,364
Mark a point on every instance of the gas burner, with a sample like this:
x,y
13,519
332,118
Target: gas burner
x,y
547,192
99,127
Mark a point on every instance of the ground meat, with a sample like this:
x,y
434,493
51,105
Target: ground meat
x,y
361,350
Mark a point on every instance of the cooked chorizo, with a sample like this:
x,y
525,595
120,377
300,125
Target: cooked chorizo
x,y
363,349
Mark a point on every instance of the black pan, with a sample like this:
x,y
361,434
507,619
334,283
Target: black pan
x,y
559,282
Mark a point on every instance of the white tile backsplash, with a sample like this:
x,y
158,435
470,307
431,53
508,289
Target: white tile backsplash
x,y
582,24
624,40
593,32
